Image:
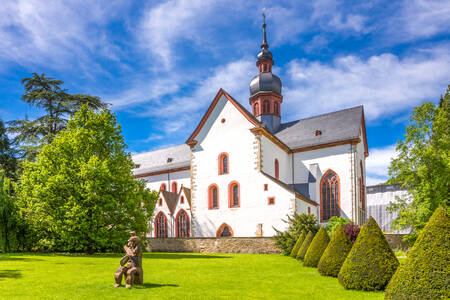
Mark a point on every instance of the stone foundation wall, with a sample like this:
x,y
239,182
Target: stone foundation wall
x,y
213,245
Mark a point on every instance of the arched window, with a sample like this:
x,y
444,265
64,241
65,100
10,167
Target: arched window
x,y
256,109
163,187
223,163
224,231
182,199
182,225
160,202
213,197
266,107
276,108
174,187
161,225
234,194
329,196
277,169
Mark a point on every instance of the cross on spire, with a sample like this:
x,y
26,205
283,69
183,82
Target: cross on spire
x,y
264,44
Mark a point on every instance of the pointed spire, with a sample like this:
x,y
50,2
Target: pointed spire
x,y
264,45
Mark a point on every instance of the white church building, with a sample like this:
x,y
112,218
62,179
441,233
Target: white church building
x,y
240,173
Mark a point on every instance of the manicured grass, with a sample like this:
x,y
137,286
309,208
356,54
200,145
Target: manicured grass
x,y
168,276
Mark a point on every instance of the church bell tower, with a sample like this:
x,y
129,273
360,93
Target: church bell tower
x,y
265,89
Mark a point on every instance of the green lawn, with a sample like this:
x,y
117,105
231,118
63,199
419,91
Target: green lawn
x,y
168,276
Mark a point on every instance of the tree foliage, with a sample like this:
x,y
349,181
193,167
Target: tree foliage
x,y
335,254
316,249
371,262
79,194
423,165
297,245
297,224
352,230
426,272
305,245
334,222
8,161
47,94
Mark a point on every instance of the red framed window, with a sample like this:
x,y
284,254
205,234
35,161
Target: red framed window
x,y
271,201
182,225
234,194
256,108
182,199
161,225
277,169
276,108
213,197
266,107
224,163
163,187
309,210
174,187
362,188
224,231
160,202
266,187
329,196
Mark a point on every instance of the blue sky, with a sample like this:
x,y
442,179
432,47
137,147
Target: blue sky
x,y
160,63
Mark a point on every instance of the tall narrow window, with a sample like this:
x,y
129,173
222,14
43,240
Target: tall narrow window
x,y
234,195
223,163
162,187
182,225
276,108
161,226
266,107
329,196
362,187
174,187
277,169
256,109
213,197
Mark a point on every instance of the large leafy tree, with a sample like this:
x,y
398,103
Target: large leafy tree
x,y
8,161
79,194
9,217
47,94
423,165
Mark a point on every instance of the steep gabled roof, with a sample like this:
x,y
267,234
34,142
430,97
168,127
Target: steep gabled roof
x,y
240,108
171,200
334,127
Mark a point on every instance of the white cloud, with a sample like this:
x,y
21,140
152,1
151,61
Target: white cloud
x,y
377,164
385,84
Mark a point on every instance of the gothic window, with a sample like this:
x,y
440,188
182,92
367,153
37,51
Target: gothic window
x,y
277,169
224,231
174,187
161,226
266,107
182,225
329,196
234,195
276,108
256,109
213,197
223,163
162,187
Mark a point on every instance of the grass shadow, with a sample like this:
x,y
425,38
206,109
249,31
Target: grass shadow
x,y
12,274
154,285
15,258
157,255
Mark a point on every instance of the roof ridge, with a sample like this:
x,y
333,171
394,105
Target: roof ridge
x,y
183,144
325,114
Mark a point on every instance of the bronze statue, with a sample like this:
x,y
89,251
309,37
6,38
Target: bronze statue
x,y
131,263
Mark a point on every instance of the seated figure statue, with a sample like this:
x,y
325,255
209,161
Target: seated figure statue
x,y
131,263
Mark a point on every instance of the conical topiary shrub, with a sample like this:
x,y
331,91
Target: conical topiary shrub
x,y
426,272
305,245
316,249
335,254
371,262
297,245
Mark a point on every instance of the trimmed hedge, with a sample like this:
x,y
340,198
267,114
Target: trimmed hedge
x,y
371,262
426,272
297,245
335,254
316,249
305,245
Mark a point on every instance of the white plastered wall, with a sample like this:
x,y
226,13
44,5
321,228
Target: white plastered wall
x,y
181,177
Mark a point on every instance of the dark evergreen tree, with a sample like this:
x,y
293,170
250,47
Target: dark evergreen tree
x,y
305,245
316,249
335,254
298,244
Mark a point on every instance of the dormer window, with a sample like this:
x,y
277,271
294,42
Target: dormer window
x,y
169,160
137,166
318,132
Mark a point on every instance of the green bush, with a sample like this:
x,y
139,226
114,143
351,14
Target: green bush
x,y
426,272
335,254
305,245
298,244
334,222
316,249
371,262
297,224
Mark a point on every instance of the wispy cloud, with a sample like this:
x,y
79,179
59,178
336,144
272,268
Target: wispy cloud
x,y
385,84
377,164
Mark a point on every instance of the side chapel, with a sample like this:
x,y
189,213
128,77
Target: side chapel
x,y
240,173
